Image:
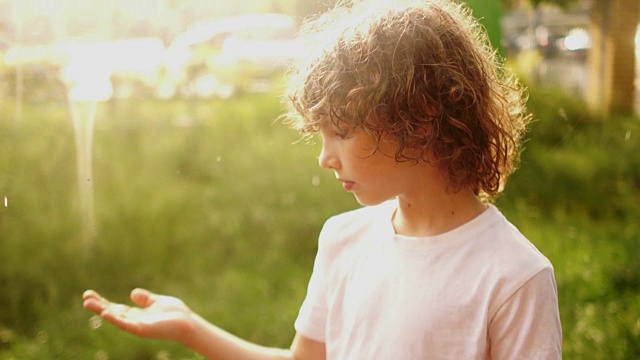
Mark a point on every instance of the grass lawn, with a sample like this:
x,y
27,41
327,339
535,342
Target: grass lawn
x,y
213,202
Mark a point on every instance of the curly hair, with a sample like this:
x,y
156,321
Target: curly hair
x,y
422,73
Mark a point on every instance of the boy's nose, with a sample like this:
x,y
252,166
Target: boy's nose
x,y
326,160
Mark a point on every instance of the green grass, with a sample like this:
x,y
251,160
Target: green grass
x,y
225,213
577,197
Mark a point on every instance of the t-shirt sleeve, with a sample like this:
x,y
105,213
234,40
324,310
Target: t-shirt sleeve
x,y
527,325
311,320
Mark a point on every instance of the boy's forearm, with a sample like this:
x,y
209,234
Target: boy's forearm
x,y
216,344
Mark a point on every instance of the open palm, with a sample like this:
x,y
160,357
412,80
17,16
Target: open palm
x,y
158,316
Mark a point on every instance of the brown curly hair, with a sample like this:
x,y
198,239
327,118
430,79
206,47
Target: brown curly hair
x,y
422,73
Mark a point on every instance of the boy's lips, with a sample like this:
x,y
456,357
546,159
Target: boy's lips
x,y
346,184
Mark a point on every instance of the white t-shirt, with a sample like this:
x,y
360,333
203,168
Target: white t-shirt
x,y
480,291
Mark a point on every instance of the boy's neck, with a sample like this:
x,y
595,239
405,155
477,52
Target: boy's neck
x,y
433,216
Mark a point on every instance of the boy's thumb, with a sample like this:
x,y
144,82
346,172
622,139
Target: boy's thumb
x,y
143,297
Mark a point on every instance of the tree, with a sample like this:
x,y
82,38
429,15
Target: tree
x,y
488,13
611,60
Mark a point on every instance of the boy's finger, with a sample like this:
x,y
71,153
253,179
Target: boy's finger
x,y
94,305
90,294
143,297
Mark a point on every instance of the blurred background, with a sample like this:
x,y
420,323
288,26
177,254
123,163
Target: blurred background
x,y
139,147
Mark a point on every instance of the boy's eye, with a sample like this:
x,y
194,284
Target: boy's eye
x,y
342,132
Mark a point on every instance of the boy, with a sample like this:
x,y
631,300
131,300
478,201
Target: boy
x,y
419,123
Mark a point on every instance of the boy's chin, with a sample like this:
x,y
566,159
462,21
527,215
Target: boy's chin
x,y
365,201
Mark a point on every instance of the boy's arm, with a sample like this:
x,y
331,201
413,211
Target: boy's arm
x,y
168,318
528,326
215,343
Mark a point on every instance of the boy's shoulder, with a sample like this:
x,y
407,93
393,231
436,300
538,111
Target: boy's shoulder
x,y
490,236
353,224
364,216
504,254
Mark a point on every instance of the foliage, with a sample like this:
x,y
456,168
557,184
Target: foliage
x,y
213,202
196,199
536,3
39,82
577,197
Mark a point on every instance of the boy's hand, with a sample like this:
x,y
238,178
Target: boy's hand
x,y
158,317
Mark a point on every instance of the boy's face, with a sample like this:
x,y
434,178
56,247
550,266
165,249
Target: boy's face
x,y
369,170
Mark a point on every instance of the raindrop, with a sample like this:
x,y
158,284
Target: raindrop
x,y
95,322
627,136
6,202
42,337
162,355
102,355
218,158
315,180
563,114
